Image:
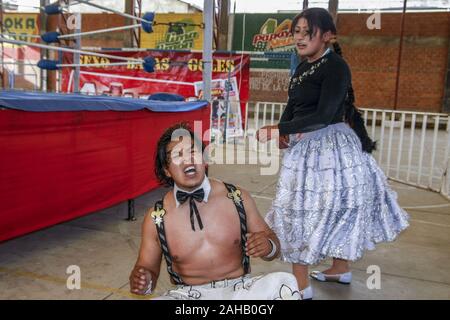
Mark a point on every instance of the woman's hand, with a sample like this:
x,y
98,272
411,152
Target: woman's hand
x,y
267,133
283,141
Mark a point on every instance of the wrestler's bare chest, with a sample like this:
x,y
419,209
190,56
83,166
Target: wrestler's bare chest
x,y
220,234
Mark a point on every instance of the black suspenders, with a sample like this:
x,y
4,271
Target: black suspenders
x,y
235,195
157,216
159,212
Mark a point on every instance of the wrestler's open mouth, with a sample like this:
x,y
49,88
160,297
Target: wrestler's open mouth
x,y
301,46
190,171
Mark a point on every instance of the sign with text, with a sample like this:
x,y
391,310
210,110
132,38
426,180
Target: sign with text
x,y
179,32
21,25
175,72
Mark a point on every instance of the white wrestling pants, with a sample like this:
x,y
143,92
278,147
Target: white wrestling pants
x,y
272,286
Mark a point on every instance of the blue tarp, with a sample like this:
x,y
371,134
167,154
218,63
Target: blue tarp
x,y
163,96
46,102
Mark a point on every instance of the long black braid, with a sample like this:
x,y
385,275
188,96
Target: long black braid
x,y
353,116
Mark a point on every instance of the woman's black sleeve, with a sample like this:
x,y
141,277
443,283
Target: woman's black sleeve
x,y
287,113
333,92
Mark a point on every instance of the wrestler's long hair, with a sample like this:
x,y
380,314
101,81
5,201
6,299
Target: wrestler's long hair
x,y
321,19
162,158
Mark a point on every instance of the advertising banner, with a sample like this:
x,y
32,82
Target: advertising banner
x,y
264,32
179,32
20,25
175,72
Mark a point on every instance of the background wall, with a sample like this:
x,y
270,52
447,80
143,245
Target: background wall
x,y
373,57
371,54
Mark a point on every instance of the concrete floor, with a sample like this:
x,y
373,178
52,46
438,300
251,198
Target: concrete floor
x,y
105,247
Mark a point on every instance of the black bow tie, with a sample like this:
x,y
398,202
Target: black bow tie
x,y
196,195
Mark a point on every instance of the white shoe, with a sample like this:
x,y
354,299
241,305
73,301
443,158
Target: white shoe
x,y
307,293
344,278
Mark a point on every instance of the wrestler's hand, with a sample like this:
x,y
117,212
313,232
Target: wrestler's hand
x,y
258,244
267,133
139,280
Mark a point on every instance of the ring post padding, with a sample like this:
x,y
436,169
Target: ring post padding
x,y
48,64
50,37
147,23
149,64
52,9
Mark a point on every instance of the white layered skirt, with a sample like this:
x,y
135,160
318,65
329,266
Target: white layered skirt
x,y
332,199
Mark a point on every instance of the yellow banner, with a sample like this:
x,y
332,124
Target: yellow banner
x,y
21,25
175,37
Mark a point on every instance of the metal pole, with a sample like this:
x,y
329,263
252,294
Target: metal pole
x,y
129,9
2,73
399,59
227,99
208,16
305,4
224,14
59,54
43,74
76,55
139,31
446,97
131,211
333,9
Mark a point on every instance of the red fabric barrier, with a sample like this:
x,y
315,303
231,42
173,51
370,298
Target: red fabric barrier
x,y
56,166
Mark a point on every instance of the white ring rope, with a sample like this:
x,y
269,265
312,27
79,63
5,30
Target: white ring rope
x,y
107,75
113,11
15,34
85,33
2,39
96,64
125,14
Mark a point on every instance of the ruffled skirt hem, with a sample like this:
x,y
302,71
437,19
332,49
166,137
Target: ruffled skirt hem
x,y
332,199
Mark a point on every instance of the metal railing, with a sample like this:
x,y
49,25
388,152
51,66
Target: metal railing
x,y
412,147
